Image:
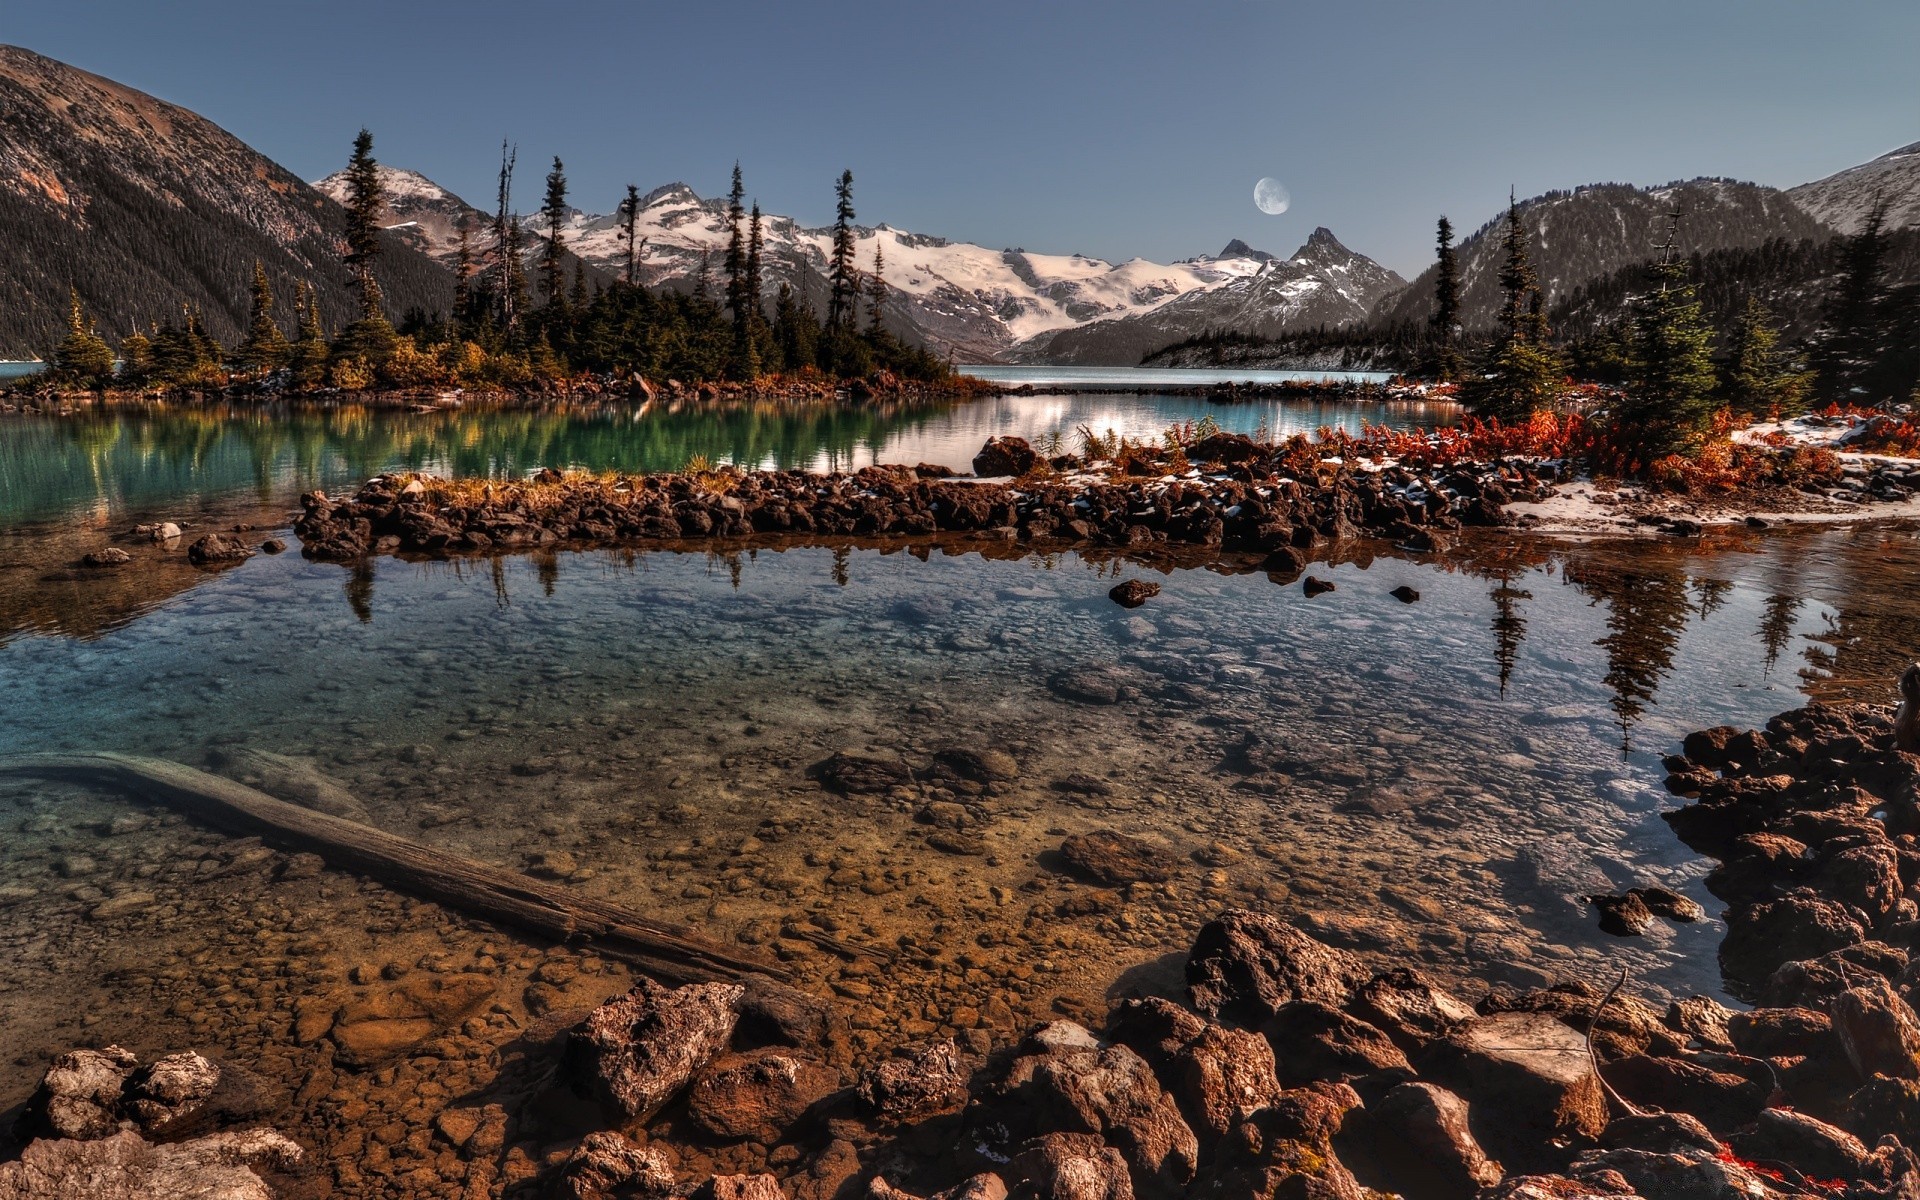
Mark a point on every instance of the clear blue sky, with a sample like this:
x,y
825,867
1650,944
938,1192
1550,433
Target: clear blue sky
x,y
1108,128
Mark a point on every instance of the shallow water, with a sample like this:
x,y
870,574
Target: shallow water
x,y
135,458
1147,378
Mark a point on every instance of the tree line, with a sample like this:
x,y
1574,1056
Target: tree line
x,y
500,334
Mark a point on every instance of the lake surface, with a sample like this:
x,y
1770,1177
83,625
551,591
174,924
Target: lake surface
x,y
1147,378
130,458
1432,782
15,370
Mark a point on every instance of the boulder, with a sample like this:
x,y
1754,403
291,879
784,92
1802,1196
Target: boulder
x,y
169,1088
79,1096
1661,1133
740,1187
123,1166
1724,1101
605,1165
1246,966
107,556
1005,456
1760,937
1285,1151
1421,1141
1316,1043
1813,1147
756,1097
1684,1176
1218,1076
639,1050
1534,1076
1878,1030
1782,1033
1133,593
1073,1166
1112,859
1408,1007
1623,916
916,1083
1703,1021
217,548
1885,1106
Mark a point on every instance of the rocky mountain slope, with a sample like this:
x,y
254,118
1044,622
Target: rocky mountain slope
x,y
1323,283
145,207
1843,199
1594,231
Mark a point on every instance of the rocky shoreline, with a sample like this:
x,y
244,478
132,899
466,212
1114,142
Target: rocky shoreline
x,y
1289,1068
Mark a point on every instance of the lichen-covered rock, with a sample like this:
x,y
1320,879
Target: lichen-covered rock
x,y
915,1084
1245,966
605,1165
639,1050
1073,1166
221,1166
79,1096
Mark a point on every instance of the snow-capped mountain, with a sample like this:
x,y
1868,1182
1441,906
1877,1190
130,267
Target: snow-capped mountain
x,y
419,212
1843,199
1323,283
977,302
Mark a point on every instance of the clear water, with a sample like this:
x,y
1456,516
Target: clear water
x,y
127,459
1148,378
15,370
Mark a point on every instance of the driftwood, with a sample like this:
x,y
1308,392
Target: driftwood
x,y
669,952
295,780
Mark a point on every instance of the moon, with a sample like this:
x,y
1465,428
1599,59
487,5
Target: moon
x,y
1270,197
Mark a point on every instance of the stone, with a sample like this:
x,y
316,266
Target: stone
x,y
1003,456
756,1097
79,1096
1090,685
1884,1106
1073,1166
916,1083
740,1187
1218,1076
1623,916
1133,593
1534,1069
773,1014
1421,1141
1285,1151
1723,1101
1782,1033
123,1166
1316,1043
1813,1147
1661,1133
1670,1176
605,1165
161,531
107,556
1405,595
273,546
1703,1020
980,765
1113,859
1316,586
1878,1030
1245,966
639,1050
854,775
1799,925
370,1041
169,1088
1408,1007
217,548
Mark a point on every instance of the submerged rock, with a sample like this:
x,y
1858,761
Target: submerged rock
x,y
217,548
1133,593
109,556
1112,859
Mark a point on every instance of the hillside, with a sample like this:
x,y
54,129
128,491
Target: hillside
x,y
145,207
1323,283
1842,200
1591,232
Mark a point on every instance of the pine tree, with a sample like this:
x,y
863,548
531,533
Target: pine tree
x,y
735,266
366,196
1446,306
264,348
136,360
83,357
629,220
577,297
876,298
843,276
308,356
555,211
1522,371
796,332
1852,338
1755,380
757,331
1670,398
463,277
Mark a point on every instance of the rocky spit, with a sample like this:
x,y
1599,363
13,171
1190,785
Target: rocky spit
x,y
1288,1068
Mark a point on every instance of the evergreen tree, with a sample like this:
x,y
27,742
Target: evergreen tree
x,y
1670,399
1755,380
308,355
463,277
758,332
629,219
796,332
136,360
83,357
1521,372
876,298
1851,340
1446,306
555,210
366,196
843,276
264,348
735,265
578,296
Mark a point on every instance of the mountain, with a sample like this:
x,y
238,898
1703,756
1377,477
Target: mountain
x,y
419,212
1323,283
1239,249
1593,231
953,296
1842,200
144,207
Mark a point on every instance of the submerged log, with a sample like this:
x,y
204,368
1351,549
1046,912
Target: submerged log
x,y
669,952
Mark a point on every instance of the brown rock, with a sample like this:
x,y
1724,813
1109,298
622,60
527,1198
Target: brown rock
x,y
639,1050
1813,1147
1315,1043
1005,456
1878,1030
1408,1007
756,1097
1885,1106
1073,1166
217,548
79,1096
1423,1143
109,556
1724,1101
1533,1070
221,1166
1245,966
605,1165
915,1084
1133,593
1112,859
1760,937
1218,1076
740,1187
1285,1151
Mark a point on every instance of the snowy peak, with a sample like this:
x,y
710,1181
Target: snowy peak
x,y
417,210
1843,200
1239,249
